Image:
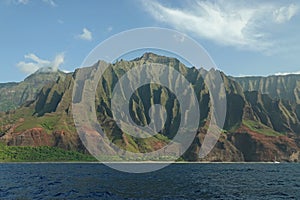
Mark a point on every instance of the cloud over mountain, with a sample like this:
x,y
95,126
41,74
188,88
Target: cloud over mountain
x,y
35,63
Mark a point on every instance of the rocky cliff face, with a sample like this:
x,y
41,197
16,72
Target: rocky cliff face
x,y
258,127
259,147
285,87
13,95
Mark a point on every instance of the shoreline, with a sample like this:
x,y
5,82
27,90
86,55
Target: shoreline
x,y
143,162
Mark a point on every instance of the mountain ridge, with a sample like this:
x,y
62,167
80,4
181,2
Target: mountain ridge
x,y
14,94
281,87
269,127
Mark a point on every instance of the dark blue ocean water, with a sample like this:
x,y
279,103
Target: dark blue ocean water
x,y
178,181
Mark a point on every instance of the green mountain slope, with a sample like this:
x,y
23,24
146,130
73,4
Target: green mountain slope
x,y
279,87
13,95
258,127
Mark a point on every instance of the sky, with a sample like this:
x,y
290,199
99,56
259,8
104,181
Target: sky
x,y
242,37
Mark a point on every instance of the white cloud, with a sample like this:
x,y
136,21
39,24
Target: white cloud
x,y
50,2
24,2
179,38
58,60
285,13
286,73
35,63
229,23
86,35
109,29
66,71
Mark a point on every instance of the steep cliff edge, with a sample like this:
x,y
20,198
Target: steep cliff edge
x,y
258,127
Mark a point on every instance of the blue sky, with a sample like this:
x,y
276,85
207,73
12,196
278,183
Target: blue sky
x,y
242,37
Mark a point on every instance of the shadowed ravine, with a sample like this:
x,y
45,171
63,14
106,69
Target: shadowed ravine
x,y
261,123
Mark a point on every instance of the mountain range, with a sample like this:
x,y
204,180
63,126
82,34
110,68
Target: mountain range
x,y
262,118
13,95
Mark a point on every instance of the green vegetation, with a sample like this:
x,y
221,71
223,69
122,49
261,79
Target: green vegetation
x,y
40,154
260,128
47,97
49,122
13,95
7,105
278,87
54,154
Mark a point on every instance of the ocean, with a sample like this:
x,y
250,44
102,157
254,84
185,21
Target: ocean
x,y
177,181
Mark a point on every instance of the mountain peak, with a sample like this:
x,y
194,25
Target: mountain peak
x,y
46,70
149,55
48,74
152,57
